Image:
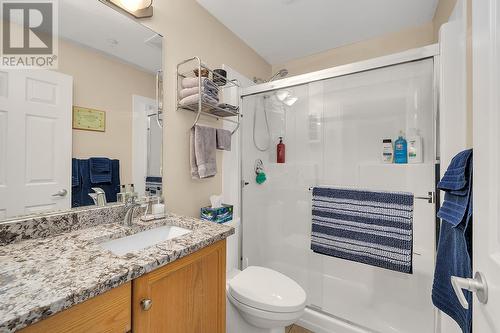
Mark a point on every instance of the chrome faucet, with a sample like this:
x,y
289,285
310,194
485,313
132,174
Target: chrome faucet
x,y
99,196
131,207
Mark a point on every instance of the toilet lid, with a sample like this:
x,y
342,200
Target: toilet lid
x,y
268,290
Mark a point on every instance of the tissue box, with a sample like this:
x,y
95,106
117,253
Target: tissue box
x,y
217,215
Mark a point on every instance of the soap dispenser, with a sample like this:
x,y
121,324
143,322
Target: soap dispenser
x,y
280,151
415,147
401,150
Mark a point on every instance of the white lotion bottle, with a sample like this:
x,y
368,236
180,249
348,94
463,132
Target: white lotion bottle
x,y
415,147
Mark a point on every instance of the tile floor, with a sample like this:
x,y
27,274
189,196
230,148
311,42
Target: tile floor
x,y
296,329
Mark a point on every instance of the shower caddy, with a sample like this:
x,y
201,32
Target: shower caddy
x,y
186,69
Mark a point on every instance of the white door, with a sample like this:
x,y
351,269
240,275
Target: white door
x,y
486,102
35,141
145,129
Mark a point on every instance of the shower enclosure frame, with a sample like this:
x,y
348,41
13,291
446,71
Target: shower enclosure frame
x,y
417,54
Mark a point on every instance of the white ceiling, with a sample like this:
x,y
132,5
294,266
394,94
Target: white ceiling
x,y
102,28
281,30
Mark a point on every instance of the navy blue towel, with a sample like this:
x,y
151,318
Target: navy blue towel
x,y
80,196
75,173
455,240
100,170
374,228
456,185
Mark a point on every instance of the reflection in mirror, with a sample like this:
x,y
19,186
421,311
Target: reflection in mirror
x,y
77,135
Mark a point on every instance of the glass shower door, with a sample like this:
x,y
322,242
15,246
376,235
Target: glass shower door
x,y
333,136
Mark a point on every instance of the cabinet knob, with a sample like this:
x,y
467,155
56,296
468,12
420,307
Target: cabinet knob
x,y
146,304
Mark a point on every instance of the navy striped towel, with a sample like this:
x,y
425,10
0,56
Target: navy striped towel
x,y
374,228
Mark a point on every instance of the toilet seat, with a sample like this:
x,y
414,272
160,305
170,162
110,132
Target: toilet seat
x,y
264,289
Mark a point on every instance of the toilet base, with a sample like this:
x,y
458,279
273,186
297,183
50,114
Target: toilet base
x,y
278,330
236,324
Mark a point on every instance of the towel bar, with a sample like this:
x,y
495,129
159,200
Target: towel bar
x,y
430,197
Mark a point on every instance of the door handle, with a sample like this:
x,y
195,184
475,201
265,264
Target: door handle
x,y
61,193
476,285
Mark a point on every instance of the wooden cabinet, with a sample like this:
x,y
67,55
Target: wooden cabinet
x,y
106,313
186,296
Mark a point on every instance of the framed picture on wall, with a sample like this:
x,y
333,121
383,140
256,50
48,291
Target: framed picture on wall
x,y
89,119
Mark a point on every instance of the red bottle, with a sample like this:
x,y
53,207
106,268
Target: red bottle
x,y
280,151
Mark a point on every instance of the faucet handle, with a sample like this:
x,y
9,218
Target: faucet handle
x,y
99,196
98,190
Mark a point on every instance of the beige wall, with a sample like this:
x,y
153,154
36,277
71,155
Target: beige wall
x,y
105,83
375,47
443,12
189,31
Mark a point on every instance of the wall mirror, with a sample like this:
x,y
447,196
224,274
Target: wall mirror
x,y
95,122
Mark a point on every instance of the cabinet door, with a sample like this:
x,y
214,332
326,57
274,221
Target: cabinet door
x,y
106,313
186,296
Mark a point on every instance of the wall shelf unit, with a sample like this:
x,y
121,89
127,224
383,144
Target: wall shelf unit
x,y
205,104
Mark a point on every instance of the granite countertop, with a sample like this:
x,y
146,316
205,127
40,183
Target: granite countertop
x,y
40,277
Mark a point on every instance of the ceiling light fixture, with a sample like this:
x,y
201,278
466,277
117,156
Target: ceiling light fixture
x,y
137,8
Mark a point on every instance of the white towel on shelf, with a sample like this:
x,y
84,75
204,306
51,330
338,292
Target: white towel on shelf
x,y
193,99
191,82
202,152
186,92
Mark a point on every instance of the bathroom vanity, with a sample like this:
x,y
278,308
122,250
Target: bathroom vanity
x,y
183,296
56,275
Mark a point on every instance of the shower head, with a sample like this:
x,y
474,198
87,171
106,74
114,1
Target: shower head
x,y
279,75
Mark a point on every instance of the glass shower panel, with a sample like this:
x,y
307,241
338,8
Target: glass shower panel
x,y
333,136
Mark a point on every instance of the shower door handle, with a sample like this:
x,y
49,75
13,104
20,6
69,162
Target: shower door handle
x,y
476,285
430,197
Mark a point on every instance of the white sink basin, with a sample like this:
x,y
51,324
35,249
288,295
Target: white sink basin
x,y
143,239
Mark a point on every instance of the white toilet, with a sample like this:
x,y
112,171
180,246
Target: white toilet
x,y
260,300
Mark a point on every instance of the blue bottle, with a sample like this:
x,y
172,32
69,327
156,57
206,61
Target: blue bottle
x,y
401,150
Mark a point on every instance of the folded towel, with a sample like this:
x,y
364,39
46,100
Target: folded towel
x,y
194,91
223,139
202,152
228,107
100,170
75,173
374,228
191,82
193,99
455,240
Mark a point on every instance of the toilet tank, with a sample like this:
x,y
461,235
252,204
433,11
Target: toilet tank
x,y
233,246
